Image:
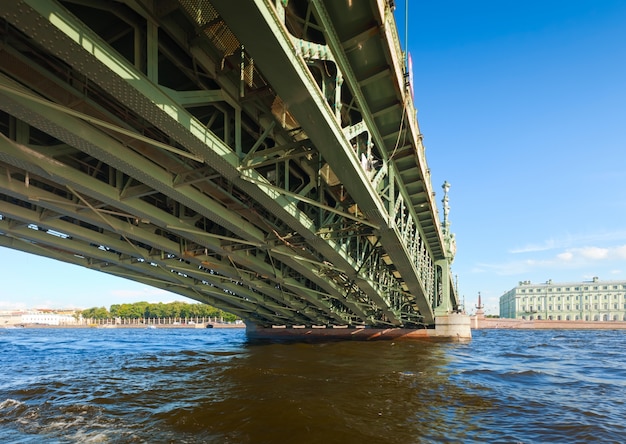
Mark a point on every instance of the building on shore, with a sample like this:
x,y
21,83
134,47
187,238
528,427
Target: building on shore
x,y
594,300
38,317
49,318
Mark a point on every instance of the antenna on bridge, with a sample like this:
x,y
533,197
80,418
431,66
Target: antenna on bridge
x,y
406,30
446,207
408,60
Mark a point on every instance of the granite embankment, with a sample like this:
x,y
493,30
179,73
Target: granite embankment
x,y
479,321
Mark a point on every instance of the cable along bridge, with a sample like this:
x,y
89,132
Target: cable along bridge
x,y
263,157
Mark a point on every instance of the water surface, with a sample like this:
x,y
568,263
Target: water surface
x,y
213,386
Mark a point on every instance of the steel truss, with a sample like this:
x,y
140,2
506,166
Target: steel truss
x,y
155,141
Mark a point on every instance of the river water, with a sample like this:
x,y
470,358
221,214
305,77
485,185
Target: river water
x,y
213,386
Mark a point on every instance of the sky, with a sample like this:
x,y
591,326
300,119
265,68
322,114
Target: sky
x,y
522,105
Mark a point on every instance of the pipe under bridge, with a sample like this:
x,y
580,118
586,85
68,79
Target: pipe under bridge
x,y
259,156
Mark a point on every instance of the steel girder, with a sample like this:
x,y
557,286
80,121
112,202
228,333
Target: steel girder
x,y
129,239
321,279
265,37
104,147
158,107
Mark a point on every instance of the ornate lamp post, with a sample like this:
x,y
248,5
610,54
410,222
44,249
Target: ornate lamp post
x,y
444,290
446,207
448,237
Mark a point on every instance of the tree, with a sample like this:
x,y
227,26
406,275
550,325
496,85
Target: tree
x,y
140,310
96,313
129,311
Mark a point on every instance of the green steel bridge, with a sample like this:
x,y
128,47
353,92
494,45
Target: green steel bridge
x,y
260,156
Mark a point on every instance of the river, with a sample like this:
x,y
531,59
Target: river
x,y
213,386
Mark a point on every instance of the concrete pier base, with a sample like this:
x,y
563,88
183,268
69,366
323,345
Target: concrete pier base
x,y
452,327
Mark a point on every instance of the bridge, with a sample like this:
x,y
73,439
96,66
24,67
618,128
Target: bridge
x,y
260,156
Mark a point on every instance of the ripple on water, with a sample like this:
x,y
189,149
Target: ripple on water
x,y
214,387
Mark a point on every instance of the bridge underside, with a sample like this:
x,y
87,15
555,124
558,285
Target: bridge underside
x,y
267,163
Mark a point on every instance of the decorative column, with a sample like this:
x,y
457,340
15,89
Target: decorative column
x,y
449,322
444,305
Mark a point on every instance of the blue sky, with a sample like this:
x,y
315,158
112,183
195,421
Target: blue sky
x,y
523,109
30,281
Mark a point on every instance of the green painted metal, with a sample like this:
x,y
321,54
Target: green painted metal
x,y
240,170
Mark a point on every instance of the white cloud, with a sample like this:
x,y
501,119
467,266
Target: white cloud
x,y
593,253
620,252
572,241
589,257
10,306
509,268
549,244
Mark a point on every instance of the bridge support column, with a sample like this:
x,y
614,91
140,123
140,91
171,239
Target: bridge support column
x,y
453,325
444,306
252,329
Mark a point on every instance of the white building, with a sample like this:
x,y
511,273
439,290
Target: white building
x,y
566,301
48,319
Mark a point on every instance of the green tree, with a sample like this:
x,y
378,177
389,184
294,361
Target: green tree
x,y
177,309
128,311
156,311
96,313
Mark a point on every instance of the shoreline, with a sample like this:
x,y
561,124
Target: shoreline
x,y
478,322
128,326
